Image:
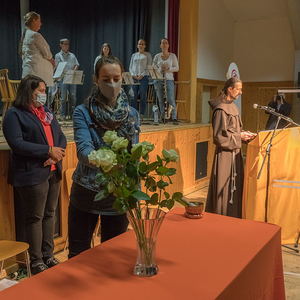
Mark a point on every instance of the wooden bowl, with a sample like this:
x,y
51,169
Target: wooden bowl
x,y
195,210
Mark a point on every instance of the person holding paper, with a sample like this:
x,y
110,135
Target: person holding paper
x,y
138,69
35,51
226,180
71,64
167,64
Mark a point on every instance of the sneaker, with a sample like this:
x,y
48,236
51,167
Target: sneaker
x,y
175,122
51,262
35,269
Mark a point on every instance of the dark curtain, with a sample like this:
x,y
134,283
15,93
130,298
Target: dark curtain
x,y
10,32
88,24
173,22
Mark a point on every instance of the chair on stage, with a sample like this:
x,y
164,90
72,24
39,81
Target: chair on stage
x,y
6,91
9,249
181,103
69,174
14,86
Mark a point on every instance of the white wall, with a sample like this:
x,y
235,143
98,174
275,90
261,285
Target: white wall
x,y
215,40
264,50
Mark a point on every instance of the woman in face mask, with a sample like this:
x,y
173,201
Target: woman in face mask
x,y
37,148
105,109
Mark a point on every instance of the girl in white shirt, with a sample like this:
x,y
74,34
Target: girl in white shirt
x,y
167,64
138,70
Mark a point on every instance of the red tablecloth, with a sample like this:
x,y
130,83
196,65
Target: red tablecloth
x,y
215,257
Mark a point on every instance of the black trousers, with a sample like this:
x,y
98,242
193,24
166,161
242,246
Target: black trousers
x,y
38,204
82,225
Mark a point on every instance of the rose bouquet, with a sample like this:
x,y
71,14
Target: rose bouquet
x,y
139,187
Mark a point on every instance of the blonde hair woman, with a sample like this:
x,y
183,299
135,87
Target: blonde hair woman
x,y
35,51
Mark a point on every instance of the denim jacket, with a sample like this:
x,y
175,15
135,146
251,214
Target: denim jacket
x,y
87,139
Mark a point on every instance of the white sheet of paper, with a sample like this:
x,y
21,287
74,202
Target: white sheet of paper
x,y
73,77
59,70
6,283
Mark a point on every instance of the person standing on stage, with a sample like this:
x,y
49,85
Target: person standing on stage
x,y
104,51
226,181
105,109
37,147
167,64
280,106
72,64
138,70
35,51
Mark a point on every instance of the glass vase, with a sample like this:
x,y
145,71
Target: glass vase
x,y
146,223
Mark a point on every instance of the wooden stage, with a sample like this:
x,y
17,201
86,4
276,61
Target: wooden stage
x,y
185,138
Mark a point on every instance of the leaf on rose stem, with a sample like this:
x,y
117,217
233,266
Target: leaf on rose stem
x,y
178,198
162,184
170,180
171,171
167,195
137,153
154,199
143,168
101,195
119,205
159,159
100,179
167,203
131,171
153,166
162,170
150,182
139,195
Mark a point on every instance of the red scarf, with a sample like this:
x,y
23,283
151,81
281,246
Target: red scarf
x,y
43,116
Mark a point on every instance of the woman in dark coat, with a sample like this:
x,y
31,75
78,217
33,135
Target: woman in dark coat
x,y
38,147
226,181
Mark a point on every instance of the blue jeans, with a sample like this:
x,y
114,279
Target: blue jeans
x,y
158,85
64,89
142,91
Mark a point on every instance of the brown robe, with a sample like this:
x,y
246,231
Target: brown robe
x,y
226,181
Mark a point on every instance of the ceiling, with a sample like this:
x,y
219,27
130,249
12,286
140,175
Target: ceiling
x,y
249,10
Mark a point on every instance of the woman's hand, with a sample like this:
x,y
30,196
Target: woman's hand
x,y
57,153
247,136
49,162
52,62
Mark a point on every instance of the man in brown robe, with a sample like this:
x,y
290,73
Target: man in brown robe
x,y
226,181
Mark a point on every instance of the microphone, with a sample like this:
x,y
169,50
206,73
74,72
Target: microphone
x,y
267,108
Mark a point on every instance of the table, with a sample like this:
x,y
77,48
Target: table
x,y
215,257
